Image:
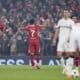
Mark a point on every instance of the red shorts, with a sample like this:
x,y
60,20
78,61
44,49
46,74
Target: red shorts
x,y
34,47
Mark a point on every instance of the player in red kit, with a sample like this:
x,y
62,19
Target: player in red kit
x,y
34,42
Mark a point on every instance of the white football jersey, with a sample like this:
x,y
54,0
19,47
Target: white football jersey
x,y
76,30
65,26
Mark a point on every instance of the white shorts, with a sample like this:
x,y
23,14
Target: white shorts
x,y
74,42
63,46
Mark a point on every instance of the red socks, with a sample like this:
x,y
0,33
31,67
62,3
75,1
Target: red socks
x,y
77,61
32,59
77,58
38,57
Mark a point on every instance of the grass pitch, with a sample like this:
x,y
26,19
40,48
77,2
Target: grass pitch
x,y
26,73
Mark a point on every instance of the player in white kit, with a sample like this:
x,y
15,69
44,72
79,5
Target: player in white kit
x,y
63,31
75,40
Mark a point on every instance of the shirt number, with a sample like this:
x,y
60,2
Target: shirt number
x,y
32,33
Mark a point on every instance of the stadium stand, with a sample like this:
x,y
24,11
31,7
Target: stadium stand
x,y
17,13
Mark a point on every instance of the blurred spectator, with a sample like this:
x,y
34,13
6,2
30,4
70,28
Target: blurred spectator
x,y
13,48
22,43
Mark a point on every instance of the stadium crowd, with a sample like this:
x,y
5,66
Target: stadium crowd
x,y
17,13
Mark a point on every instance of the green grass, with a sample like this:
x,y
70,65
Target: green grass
x,y
26,73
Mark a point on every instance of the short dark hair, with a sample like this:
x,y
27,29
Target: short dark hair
x,y
66,9
31,21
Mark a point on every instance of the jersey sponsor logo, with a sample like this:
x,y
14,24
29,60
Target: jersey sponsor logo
x,y
68,27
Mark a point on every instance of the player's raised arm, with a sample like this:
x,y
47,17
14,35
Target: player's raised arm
x,y
41,23
24,28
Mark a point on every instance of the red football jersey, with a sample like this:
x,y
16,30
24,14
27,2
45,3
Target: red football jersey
x,y
33,31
